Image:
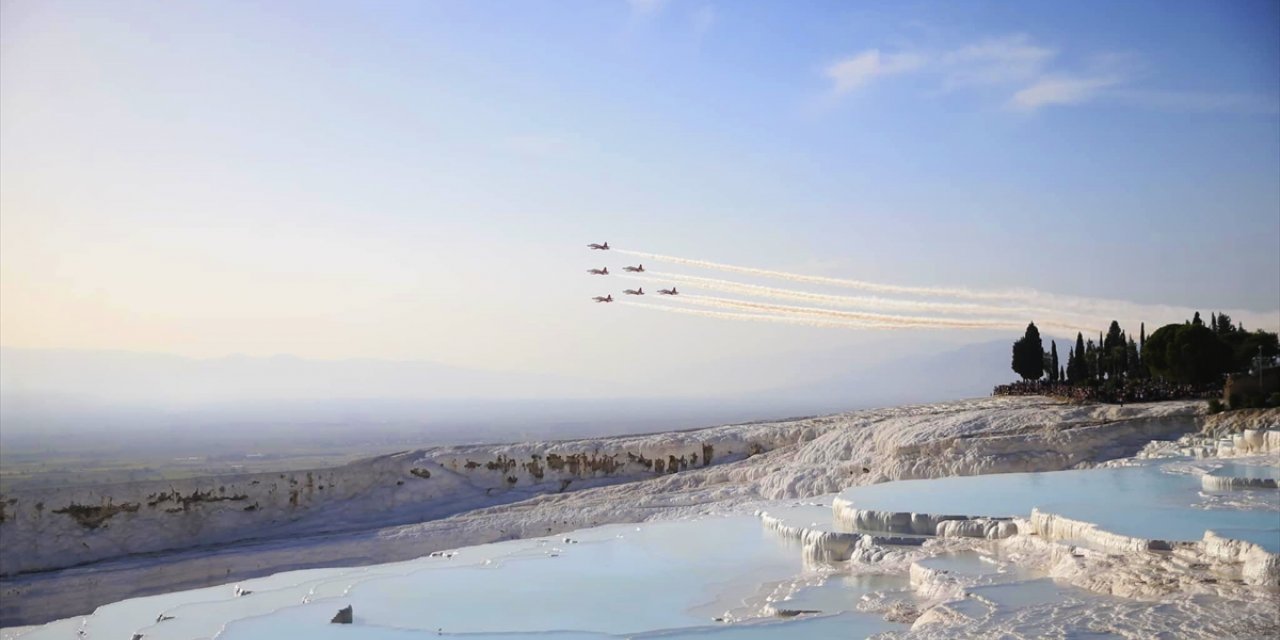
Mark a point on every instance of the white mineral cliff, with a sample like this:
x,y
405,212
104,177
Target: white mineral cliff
x,y
341,516
1228,483
818,545
50,529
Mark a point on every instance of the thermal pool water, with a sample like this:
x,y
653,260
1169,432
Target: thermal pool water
x,y
715,577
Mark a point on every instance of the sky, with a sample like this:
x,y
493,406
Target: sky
x,y
417,180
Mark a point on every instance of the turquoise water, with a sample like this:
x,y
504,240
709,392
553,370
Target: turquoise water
x,y
845,626
842,592
673,579
662,580
1243,470
1142,501
667,580
969,563
1017,595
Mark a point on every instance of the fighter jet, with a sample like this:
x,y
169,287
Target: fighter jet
x,y
668,292
599,272
634,292
608,298
636,269
601,247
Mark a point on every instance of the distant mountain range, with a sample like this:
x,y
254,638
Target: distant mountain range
x,y
53,393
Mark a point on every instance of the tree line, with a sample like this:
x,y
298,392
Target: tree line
x,y
1192,353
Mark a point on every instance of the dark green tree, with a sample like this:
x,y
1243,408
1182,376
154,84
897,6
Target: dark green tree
x,y
1028,354
1117,361
1113,336
1080,370
1188,353
1053,361
1133,367
1123,362
1223,325
1143,372
1247,345
1100,360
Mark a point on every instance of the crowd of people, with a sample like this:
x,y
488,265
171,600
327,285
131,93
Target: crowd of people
x,y
1145,390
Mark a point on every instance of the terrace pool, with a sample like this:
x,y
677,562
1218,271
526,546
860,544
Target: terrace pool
x,y
1144,500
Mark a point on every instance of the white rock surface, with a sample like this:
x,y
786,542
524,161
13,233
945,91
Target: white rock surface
x,y
1055,527
818,546
1211,482
1258,566
297,524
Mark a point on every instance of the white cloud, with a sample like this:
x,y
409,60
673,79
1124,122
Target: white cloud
x,y
852,73
995,61
1060,90
1032,71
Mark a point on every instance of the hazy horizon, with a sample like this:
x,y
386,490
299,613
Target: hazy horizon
x,y
59,388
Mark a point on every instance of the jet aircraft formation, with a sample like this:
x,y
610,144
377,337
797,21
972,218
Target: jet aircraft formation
x,y
604,271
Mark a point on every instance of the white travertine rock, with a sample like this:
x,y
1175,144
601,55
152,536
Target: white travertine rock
x,y
849,518
1210,482
1055,527
1239,433
934,584
1258,566
409,504
989,528
818,547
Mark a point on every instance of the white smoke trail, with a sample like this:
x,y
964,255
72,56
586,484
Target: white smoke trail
x,y
1068,312
854,316
863,302
760,317
838,282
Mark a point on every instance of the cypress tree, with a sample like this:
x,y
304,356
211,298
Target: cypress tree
x,y
1053,361
1101,356
1028,354
1224,325
1141,371
1134,368
1120,356
1113,337
1079,368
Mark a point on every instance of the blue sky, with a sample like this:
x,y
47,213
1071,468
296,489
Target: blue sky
x,y
416,179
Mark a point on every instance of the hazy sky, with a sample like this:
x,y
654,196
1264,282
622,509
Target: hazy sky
x,y
416,180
